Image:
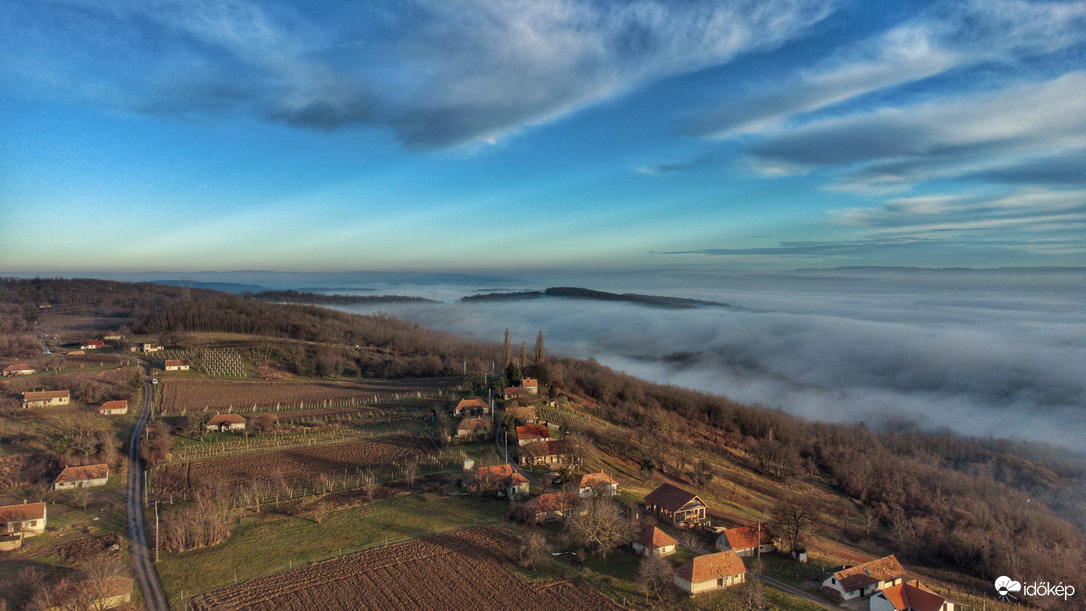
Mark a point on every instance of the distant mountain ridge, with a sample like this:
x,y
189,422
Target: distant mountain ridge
x,y
569,292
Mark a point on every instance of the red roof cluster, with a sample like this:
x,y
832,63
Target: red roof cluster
x,y
863,575
914,596
711,567
533,431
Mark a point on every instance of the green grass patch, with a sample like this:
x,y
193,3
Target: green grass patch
x,y
269,544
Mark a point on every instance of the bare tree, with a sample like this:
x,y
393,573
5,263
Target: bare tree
x,y
533,549
654,576
792,516
703,474
598,526
81,497
101,575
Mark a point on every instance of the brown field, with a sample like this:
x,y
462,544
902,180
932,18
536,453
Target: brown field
x,y
190,395
469,569
183,479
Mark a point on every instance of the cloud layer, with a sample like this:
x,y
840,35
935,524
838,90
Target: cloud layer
x,y
435,73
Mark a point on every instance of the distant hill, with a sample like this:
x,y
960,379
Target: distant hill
x,y
226,287
324,298
662,301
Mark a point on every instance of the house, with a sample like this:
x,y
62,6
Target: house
x,y
532,433
710,572
523,415
910,596
471,407
113,336
92,344
651,541
746,541
866,579
113,408
86,476
512,392
546,453
551,506
46,398
530,386
18,369
676,505
596,484
19,521
150,347
175,365
508,483
226,422
470,427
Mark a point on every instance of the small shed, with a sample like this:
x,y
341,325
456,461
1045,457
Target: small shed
x,y
86,476
226,422
113,408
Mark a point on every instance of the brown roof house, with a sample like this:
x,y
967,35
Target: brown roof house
x,y
113,408
746,540
710,572
226,422
512,392
19,521
473,427
175,365
866,579
530,433
471,407
92,344
651,541
507,482
546,453
523,415
551,506
18,369
530,386
46,398
596,484
910,596
82,477
676,505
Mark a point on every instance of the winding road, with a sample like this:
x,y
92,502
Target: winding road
x,y
144,565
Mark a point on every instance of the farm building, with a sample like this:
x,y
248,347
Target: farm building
x,y
92,344
110,593
546,453
523,415
551,506
46,398
865,579
531,433
471,427
530,386
175,365
710,572
746,541
19,521
910,596
471,407
226,422
113,408
150,347
86,476
114,336
509,484
596,484
18,369
651,541
512,392
676,505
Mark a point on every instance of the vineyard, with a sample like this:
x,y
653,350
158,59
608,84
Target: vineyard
x,y
469,569
180,397
283,467
218,362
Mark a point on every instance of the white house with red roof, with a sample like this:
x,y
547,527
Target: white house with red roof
x,y
910,596
85,476
593,484
710,572
651,541
866,579
746,540
18,369
113,408
19,521
92,344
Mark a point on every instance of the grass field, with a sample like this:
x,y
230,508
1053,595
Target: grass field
x,y
264,545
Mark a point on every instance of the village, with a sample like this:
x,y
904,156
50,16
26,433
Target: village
x,y
142,468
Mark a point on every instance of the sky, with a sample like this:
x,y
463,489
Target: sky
x,y
187,135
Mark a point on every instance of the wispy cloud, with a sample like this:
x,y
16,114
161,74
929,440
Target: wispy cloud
x,y
435,73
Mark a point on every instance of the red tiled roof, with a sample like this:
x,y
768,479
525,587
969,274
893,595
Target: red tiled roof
x,y
533,431
469,403
711,567
174,363
473,424
22,511
94,343
501,472
529,382
652,537
226,419
552,501
43,395
18,367
513,391
86,472
591,480
557,447
746,537
862,575
670,497
915,596
524,413
111,405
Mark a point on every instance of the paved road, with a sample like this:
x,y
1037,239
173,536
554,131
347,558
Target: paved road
x,y
794,591
146,576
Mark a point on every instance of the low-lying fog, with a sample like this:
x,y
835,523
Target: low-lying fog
x,y
981,353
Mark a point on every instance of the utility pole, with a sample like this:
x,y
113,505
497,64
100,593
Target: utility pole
x,y
156,532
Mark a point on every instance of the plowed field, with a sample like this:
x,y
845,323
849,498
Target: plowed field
x,y
183,479
468,569
216,395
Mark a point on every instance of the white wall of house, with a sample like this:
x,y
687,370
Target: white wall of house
x,y
705,586
831,582
84,483
879,602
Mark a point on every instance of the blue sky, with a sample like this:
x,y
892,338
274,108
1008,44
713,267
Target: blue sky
x,y
495,136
